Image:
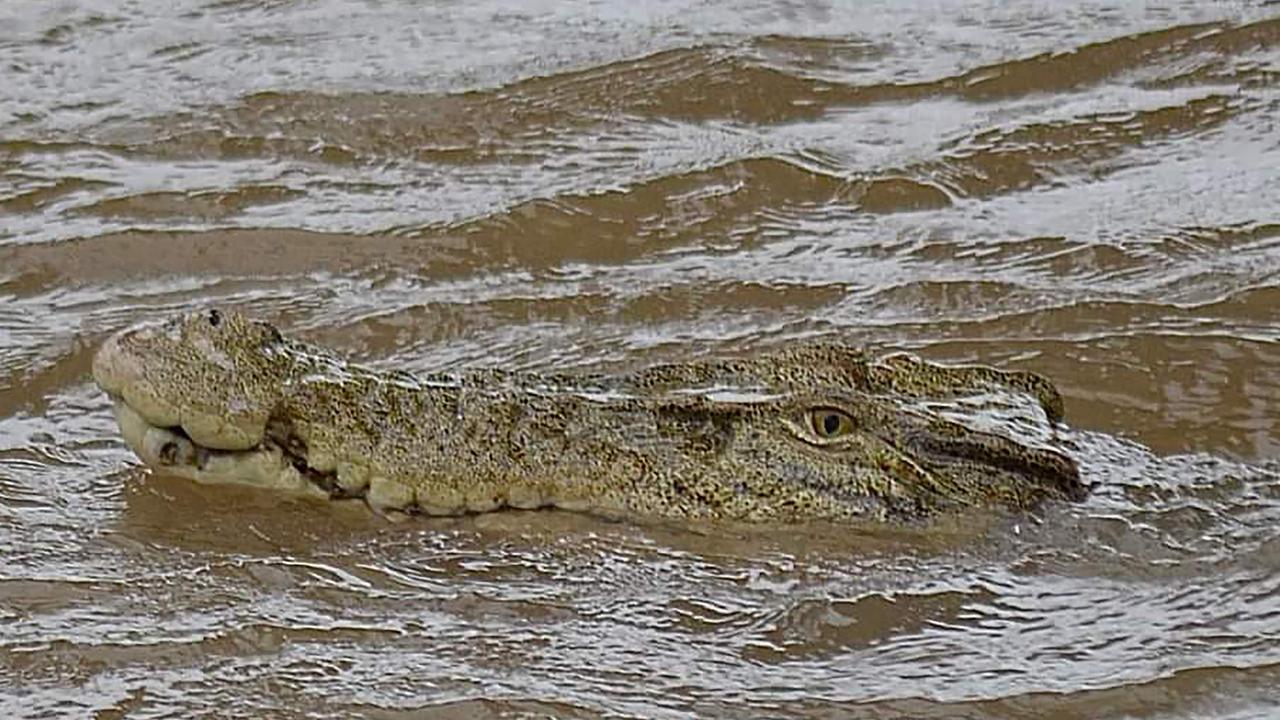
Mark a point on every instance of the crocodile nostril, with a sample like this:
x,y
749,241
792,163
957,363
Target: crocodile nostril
x,y
169,453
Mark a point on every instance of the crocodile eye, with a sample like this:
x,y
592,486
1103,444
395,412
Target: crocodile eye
x,y
215,318
829,424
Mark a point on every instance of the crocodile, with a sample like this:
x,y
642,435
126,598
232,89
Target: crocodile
x,y
812,431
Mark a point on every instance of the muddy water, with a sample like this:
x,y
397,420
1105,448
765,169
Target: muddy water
x,y
1084,190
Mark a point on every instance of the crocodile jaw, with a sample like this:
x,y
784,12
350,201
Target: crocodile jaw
x,y
173,452
204,448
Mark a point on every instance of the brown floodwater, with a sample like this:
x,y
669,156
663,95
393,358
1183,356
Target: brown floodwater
x,y
1087,190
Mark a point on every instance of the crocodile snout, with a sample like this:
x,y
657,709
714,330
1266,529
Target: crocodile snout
x,y
130,366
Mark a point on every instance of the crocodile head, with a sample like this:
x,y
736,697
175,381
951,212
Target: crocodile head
x,y
216,397
193,393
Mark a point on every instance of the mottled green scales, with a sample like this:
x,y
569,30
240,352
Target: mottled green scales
x,y
813,431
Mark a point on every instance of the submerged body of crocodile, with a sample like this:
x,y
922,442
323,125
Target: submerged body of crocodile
x,y
808,432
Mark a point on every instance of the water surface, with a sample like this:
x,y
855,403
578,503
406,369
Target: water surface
x,y
1086,190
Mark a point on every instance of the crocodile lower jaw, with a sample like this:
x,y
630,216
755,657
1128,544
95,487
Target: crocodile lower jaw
x,y
274,464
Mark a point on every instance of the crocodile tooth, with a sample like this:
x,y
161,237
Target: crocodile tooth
x,y
440,501
387,494
321,461
483,501
353,478
525,497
